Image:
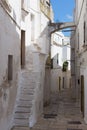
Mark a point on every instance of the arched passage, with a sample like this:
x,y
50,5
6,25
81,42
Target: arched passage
x,y
53,27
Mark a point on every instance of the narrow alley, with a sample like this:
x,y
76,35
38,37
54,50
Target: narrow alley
x,y
43,65
62,114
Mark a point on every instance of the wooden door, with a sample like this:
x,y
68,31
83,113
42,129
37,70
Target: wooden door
x,y
82,94
10,67
63,81
59,83
22,49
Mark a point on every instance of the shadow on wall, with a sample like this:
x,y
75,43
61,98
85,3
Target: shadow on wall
x,y
9,64
47,83
43,42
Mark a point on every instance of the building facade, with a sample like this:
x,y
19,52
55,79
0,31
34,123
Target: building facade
x,y
79,52
24,49
10,36
60,53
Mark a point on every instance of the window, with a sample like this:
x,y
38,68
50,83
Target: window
x,y
10,67
32,27
62,41
51,63
84,31
22,48
78,41
57,58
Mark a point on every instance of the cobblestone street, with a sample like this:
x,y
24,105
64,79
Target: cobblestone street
x,y
62,114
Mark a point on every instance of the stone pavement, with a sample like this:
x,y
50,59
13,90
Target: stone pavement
x,y
62,114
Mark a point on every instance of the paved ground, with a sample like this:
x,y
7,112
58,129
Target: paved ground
x,y
62,114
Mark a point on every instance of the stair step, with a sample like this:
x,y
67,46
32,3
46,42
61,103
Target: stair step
x,y
20,128
27,85
27,88
26,98
29,91
21,115
22,110
24,104
26,91
21,122
27,78
24,101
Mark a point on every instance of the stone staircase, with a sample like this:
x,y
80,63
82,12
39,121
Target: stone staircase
x,y
24,100
26,105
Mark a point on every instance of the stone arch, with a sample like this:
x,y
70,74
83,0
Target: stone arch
x,y
53,27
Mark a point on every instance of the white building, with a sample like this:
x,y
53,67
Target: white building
x,y
60,53
10,35
24,48
66,51
56,49
79,47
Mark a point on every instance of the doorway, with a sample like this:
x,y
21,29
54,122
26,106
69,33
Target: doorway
x,y
22,48
10,67
59,83
63,82
82,94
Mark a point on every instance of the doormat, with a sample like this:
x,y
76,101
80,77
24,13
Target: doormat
x,y
74,122
73,129
50,115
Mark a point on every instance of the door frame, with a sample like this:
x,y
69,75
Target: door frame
x,y
82,94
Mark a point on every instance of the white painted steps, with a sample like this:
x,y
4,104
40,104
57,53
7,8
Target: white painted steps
x,y
24,100
27,105
21,128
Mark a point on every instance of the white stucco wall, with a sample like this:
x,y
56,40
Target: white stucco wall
x,y
54,51
56,48
9,45
85,93
55,74
66,51
60,48
80,49
39,46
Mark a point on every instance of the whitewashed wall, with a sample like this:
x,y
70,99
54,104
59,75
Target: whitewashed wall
x,y
61,47
9,45
80,48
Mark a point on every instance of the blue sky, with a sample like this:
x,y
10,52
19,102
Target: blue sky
x,y
63,10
